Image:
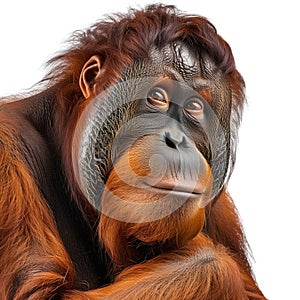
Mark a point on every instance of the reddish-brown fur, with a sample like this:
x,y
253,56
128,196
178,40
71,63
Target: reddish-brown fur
x,y
33,261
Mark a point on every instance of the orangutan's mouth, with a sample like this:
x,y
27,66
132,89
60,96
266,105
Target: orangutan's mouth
x,y
180,188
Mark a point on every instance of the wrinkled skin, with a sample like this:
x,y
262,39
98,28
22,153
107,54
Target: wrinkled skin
x,y
123,111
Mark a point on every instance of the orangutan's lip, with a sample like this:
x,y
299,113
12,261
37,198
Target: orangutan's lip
x,y
179,188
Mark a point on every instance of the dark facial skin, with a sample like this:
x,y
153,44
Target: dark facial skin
x,y
166,105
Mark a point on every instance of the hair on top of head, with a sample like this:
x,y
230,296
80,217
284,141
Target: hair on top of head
x,y
124,37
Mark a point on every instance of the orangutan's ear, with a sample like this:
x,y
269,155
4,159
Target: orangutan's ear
x,y
88,76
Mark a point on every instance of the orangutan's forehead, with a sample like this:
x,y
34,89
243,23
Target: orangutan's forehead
x,y
180,57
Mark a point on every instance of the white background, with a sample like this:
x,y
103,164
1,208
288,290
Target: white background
x,y
264,36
